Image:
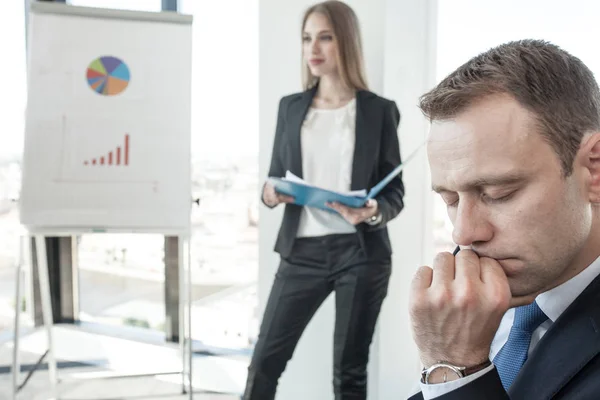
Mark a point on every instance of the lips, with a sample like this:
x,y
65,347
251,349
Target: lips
x,y
497,257
316,61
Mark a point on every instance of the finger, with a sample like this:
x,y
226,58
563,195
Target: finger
x,y
271,190
496,286
422,279
268,190
340,208
337,207
443,269
355,215
520,301
491,271
285,199
517,301
270,199
468,266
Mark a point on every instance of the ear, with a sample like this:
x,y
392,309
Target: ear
x,y
591,159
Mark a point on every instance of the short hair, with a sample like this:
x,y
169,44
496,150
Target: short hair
x,y
556,87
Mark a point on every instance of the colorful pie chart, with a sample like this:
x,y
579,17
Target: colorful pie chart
x,y
108,76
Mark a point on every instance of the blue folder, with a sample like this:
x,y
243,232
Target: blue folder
x,y
312,196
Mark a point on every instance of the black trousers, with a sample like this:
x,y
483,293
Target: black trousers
x,y
316,267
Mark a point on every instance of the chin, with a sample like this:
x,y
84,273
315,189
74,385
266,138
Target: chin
x,y
518,287
316,72
524,285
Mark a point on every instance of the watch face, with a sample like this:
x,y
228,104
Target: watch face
x,y
447,370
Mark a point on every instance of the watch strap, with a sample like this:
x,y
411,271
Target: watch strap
x,y
460,371
476,368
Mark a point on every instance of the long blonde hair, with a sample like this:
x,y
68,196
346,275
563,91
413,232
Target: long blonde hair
x,y
346,32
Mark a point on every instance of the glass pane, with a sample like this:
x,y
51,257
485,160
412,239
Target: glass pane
x,y
12,98
121,280
225,171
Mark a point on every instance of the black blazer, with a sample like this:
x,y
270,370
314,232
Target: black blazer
x,y
377,152
564,365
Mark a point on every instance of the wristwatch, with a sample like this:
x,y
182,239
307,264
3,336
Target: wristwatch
x,y
460,372
374,220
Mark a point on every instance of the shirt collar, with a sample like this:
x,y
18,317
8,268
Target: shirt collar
x,y
555,301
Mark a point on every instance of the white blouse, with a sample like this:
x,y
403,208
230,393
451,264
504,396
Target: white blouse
x,y
327,142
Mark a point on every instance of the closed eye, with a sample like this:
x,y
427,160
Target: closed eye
x,y
497,199
451,199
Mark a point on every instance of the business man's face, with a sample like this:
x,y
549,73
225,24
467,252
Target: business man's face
x,y
506,194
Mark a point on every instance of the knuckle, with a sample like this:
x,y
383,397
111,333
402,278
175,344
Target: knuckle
x,y
442,260
419,304
415,303
486,261
419,277
469,261
499,298
441,298
491,264
468,256
466,298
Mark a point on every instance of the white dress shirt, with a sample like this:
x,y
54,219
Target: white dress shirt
x,y
327,142
553,303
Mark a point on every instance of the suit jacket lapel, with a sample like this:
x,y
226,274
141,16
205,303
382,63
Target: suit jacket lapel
x,y
570,343
296,115
366,118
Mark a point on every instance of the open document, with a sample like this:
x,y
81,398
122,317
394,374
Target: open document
x,y
305,194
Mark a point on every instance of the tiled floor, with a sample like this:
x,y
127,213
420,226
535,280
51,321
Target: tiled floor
x,y
117,389
215,378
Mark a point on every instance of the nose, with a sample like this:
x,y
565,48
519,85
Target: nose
x,y
471,224
314,47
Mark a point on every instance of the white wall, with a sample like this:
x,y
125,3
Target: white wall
x,y
410,50
399,50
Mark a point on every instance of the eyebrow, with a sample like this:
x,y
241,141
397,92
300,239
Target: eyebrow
x,y
485,181
318,33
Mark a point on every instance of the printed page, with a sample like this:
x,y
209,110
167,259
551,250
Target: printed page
x,y
293,178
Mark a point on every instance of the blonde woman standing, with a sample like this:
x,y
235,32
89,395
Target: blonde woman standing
x,y
337,135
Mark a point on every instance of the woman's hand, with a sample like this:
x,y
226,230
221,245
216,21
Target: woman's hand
x,y
272,198
356,215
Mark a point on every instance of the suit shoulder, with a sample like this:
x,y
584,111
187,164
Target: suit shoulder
x,y
290,98
383,101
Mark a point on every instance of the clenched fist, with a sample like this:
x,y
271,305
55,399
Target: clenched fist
x,y
456,307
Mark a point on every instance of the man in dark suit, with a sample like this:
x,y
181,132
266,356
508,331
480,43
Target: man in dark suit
x,y
514,151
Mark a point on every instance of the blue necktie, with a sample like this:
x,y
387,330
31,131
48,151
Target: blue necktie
x,y
513,354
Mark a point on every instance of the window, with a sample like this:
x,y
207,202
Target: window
x,y
225,170
12,100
